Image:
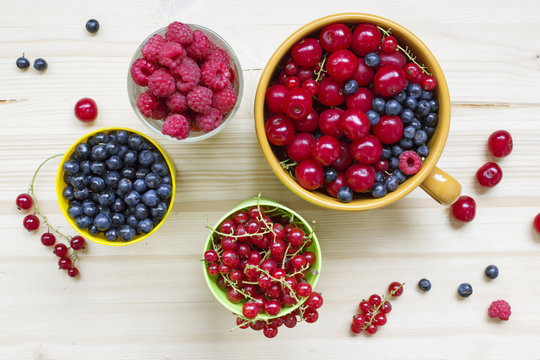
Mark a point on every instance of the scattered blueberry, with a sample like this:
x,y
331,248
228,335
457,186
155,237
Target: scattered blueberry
x,y
393,163
152,180
71,167
465,290
372,60
416,124
22,63
92,26
350,87
345,194
386,153
424,284
67,193
408,132
150,198
40,64
492,271
426,95
434,105
399,175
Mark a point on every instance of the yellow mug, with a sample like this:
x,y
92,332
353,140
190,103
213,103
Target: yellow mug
x,y
441,186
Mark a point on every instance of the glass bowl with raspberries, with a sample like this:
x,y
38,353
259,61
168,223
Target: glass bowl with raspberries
x,y
185,82
352,113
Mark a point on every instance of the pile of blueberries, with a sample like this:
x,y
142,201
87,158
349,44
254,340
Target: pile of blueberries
x,y
117,184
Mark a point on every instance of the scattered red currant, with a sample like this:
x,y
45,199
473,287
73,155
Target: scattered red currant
x,y
77,243
536,223
73,272
86,110
48,239
24,202
31,222
395,289
60,250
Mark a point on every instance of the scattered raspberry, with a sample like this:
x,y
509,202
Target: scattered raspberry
x,y
177,102
176,126
410,162
161,83
220,55
215,75
200,99
171,54
181,33
141,70
146,103
499,309
187,74
201,46
150,50
161,111
224,100
209,121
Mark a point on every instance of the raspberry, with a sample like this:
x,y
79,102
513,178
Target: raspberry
x,y
220,55
141,70
224,100
215,75
161,111
150,50
200,99
201,46
161,83
499,309
209,121
409,162
187,74
171,54
181,33
177,102
147,102
176,126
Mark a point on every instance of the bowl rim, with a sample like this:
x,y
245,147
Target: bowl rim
x,y
60,184
436,147
263,202
239,75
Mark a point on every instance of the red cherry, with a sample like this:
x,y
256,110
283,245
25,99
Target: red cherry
x,y
292,82
307,52
395,58
86,110
363,74
489,175
429,83
464,209
326,150
341,65
360,177
500,143
389,129
333,187
300,146
330,123
279,130
297,103
355,124
335,37
366,39
389,80
31,222
274,98
311,85
367,150
309,123
331,92
389,44
282,78
309,174
48,239
24,201
291,68
361,100
536,223
345,159
412,71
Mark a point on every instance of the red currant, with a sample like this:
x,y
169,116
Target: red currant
x,y
73,272
331,92
489,175
359,320
379,319
229,243
291,68
279,130
234,296
31,222
356,329
303,289
224,269
314,301
290,320
464,209
364,306
298,262
270,332
311,315
77,242
257,325
309,174
375,300
360,100
381,165
360,177
310,257
304,74
395,289
230,258
275,95
236,275
386,307
213,269
536,223
240,217
48,239
279,273
276,322
412,71
355,124
389,80
250,310
64,263
335,37
227,227
296,237
274,292
307,52
24,202
366,38
241,323
221,283
272,307
429,83
500,143
210,256
86,110
371,329
292,82
367,150
389,44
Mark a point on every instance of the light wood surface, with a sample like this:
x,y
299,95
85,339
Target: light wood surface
x,y
149,300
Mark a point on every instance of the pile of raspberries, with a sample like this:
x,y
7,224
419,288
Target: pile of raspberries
x,y
188,80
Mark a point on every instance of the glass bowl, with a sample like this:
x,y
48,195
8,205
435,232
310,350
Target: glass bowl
x,y
135,90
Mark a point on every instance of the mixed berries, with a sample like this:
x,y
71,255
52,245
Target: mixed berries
x,y
188,80
262,257
118,184
347,102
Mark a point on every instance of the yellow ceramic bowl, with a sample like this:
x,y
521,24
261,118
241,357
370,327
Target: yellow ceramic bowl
x,y
441,186
60,185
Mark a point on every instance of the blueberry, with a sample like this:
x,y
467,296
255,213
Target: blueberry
x,y
40,64
90,209
126,233
393,163
391,183
71,167
424,285
150,198
416,124
83,150
112,148
83,221
106,198
111,235
91,141
373,117
378,105
112,178
350,87
431,119
117,219
146,158
160,167
406,144
434,105
407,115
133,198
415,90
131,220
122,150
164,191
67,193
429,131
378,190
166,180
81,194
98,153
396,150
423,109
386,153
79,181
158,212
22,63
344,194
399,175
118,205
122,137
101,138
85,167
330,174
75,210
141,173
97,184
92,26
104,210
145,226
93,230
420,137
103,222
112,138
139,185
125,186
379,177
135,142
408,132
152,180
372,60
423,151
98,167
410,103
426,95
141,211
400,97
465,290
492,271
128,173
130,158
95,197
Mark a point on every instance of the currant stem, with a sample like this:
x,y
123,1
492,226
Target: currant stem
x,y
321,68
281,281
376,309
233,285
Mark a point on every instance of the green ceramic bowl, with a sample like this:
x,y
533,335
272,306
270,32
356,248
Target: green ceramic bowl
x,y
311,278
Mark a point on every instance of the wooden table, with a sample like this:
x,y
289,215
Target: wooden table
x,y
149,300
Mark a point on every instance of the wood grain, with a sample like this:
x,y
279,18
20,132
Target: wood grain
x,y
149,300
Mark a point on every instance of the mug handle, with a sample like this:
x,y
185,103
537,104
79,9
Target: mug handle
x,y
441,187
